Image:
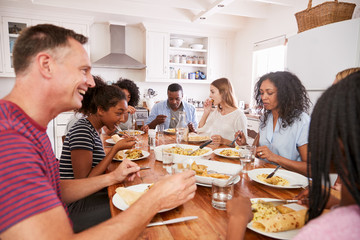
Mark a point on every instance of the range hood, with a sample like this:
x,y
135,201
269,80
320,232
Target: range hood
x,y
117,58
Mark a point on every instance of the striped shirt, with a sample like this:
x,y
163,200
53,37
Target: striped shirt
x,y
81,136
29,175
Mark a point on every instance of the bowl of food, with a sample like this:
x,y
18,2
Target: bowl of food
x,y
182,151
197,46
176,42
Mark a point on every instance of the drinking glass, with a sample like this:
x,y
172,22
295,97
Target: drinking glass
x,y
245,160
168,161
221,194
180,134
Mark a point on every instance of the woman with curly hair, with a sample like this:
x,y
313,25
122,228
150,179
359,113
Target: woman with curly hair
x,y
132,94
283,133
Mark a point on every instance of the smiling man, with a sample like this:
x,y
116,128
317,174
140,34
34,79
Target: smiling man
x,y
167,112
52,75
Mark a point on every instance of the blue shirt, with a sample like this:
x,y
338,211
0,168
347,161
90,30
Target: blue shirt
x,y
162,108
285,141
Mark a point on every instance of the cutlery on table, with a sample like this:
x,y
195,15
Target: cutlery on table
x,y
144,168
171,221
272,174
201,147
232,143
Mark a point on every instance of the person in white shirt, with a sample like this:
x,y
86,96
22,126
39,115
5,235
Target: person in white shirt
x,y
223,121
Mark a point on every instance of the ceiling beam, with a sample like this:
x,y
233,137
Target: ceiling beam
x,y
215,7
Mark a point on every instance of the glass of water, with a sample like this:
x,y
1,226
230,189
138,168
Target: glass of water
x,y
221,194
246,160
180,134
168,161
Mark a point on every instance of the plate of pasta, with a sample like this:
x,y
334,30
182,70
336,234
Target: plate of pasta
x,y
281,179
131,154
228,152
182,151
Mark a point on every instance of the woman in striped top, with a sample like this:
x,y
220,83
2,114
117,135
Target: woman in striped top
x,y
83,154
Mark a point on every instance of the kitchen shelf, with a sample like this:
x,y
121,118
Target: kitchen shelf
x,y
188,65
187,49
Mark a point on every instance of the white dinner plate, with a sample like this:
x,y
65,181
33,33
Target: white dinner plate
x,y
158,151
145,155
111,141
170,131
129,132
121,204
236,180
216,166
217,152
279,235
292,177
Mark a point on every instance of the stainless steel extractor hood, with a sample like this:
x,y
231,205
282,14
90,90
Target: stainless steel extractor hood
x,y
117,58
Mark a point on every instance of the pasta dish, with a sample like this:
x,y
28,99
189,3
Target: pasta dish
x,y
276,180
186,151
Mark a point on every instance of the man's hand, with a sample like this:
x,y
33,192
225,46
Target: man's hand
x,y
160,119
127,169
174,190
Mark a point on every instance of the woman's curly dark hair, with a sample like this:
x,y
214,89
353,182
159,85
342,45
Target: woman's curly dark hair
x,y
291,96
132,88
102,95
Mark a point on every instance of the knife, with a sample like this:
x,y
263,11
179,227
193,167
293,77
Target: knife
x,y
171,221
201,146
272,174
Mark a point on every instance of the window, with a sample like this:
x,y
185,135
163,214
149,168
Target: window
x,y
268,56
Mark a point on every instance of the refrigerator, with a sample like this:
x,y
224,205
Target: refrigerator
x,y
317,55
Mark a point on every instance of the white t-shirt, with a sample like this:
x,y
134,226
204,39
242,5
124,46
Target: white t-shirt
x,y
225,125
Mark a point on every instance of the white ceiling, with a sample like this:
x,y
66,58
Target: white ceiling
x,y
232,15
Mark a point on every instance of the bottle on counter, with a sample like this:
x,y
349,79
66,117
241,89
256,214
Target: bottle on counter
x,y
182,129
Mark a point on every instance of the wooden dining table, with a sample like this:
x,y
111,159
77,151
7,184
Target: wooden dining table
x,y
211,222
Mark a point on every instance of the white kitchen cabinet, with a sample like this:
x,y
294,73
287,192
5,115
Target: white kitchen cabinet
x,y
190,63
12,25
157,69
11,29
218,58
60,123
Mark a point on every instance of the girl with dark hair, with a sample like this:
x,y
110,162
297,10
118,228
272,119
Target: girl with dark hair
x,y
83,154
283,133
334,146
223,122
132,94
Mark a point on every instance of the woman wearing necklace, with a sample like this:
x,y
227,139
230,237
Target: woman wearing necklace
x,y
83,155
225,119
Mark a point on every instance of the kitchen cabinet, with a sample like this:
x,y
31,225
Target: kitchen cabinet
x,y
162,59
12,25
157,56
188,64
60,123
218,58
11,29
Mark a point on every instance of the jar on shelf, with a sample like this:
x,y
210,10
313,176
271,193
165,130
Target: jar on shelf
x,y
191,75
183,59
189,60
185,75
176,58
195,60
172,73
201,60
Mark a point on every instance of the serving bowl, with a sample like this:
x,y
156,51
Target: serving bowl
x,y
158,151
176,42
197,46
